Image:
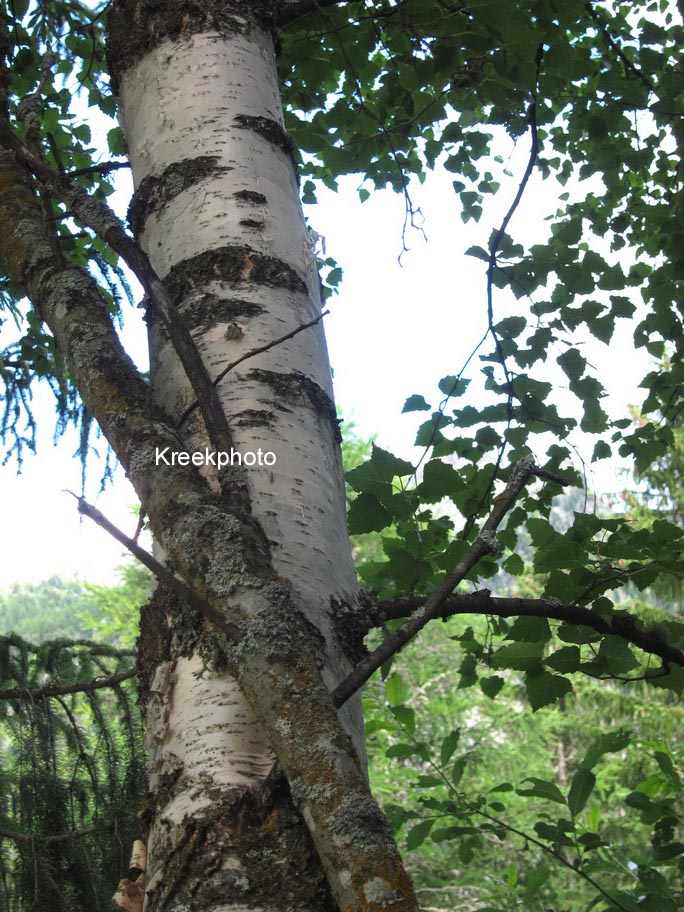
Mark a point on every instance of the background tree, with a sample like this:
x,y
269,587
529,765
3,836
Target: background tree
x,y
391,89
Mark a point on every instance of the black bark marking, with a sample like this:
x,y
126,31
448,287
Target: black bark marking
x,y
155,192
235,264
254,224
297,389
255,418
272,132
200,314
251,196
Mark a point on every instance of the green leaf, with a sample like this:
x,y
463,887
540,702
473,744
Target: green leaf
x,y
536,879
530,630
565,660
581,787
617,655
116,141
417,835
491,686
458,770
440,479
540,788
518,655
415,403
453,386
404,715
544,688
389,466
396,692
606,744
449,745
367,514
514,564
512,875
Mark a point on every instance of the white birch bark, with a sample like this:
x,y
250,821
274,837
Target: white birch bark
x,y
183,101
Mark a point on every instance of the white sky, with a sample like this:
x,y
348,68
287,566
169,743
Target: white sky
x,y
392,331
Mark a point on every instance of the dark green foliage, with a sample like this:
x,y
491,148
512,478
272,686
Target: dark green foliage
x,y
73,775
502,810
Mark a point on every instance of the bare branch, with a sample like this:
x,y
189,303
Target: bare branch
x,y
181,589
484,543
62,837
104,168
622,624
60,690
250,354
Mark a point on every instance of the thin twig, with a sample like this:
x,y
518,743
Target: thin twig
x,y
62,837
181,589
603,29
250,354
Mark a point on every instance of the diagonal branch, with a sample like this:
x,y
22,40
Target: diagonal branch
x,y
181,589
485,543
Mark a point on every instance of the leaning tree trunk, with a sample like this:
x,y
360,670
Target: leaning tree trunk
x,y
217,209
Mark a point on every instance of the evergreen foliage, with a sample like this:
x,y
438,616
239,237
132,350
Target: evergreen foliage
x,y
72,779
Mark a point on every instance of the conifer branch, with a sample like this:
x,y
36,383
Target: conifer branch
x,y
97,215
61,837
60,690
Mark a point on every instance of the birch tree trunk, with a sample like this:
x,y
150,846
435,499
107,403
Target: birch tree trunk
x,y
217,210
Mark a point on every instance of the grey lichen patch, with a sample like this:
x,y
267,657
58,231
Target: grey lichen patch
x,y
278,632
298,390
271,131
154,192
359,822
251,196
235,264
349,629
379,891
